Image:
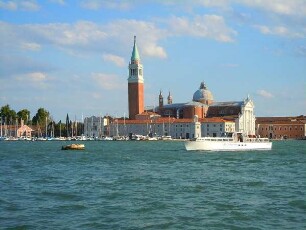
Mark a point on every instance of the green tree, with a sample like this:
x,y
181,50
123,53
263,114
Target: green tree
x,y
40,117
24,114
7,114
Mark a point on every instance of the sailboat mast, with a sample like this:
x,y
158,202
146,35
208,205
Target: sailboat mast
x,y
1,127
46,127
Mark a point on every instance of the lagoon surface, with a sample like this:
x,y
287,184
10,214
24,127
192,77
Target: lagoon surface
x,y
151,185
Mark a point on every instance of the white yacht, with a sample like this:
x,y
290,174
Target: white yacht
x,y
231,142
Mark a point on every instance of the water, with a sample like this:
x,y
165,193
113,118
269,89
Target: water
x,y
151,185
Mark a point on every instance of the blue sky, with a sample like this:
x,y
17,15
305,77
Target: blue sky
x,y
72,56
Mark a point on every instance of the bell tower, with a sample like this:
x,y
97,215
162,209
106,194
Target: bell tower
x,y
135,84
169,99
160,100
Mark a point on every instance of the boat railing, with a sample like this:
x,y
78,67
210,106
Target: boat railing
x,y
215,139
225,139
257,140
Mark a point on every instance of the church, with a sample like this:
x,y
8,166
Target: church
x,y
202,108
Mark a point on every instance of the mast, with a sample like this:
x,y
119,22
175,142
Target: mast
x,y
92,126
16,127
124,127
82,128
46,127
117,129
1,127
169,126
100,127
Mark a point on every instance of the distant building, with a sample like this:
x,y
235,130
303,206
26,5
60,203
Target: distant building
x,y
176,128
281,127
16,131
240,113
95,126
24,131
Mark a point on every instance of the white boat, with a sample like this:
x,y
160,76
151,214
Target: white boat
x,y
236,142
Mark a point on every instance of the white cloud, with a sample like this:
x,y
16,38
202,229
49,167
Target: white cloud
x,y
283,7
31,46
108,81
8,5
148,35
117,60
264,93
19,5
32,80
32,77
60,2
279,31
100,4
208,26
85,36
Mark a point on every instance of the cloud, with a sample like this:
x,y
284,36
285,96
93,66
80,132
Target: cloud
x,y
9,5
105,4
207,26
117,60
264,93
19,5
148,36
32,80
85,36
30,46
300,51
60,2
17,65
296,8
279,31
108,81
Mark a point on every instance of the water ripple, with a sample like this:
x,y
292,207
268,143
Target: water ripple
x,y
151,185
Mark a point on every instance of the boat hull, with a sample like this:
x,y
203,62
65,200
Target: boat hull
x,y
226,146
74,147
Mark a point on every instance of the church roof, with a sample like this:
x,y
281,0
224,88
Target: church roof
x,y
228,103
181,105
135,54
202,94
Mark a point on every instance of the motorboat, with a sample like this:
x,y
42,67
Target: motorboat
x,y
232,142
74,147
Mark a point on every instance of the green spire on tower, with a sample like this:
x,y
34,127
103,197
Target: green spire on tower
x,y
135,54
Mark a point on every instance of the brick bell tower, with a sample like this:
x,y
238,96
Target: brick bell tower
x,y
135,84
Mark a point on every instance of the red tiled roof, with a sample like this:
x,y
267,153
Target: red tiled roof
x,y
161,120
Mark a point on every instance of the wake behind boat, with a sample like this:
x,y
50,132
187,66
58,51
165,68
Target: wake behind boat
x,y
234,142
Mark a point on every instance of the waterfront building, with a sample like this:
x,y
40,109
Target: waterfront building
x,y
241,113
169,126
216,127
96,126
281,127
24,131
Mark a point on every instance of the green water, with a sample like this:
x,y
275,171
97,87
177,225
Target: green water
x,y
151,185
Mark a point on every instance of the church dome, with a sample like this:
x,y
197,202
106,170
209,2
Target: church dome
x,y
203,95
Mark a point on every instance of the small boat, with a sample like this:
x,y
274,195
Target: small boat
x,y
232,142
74,147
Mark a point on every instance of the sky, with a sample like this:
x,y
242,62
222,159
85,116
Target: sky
x,y
72,56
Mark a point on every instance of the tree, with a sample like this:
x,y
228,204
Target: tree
x,y
24,115
7,114
41,116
